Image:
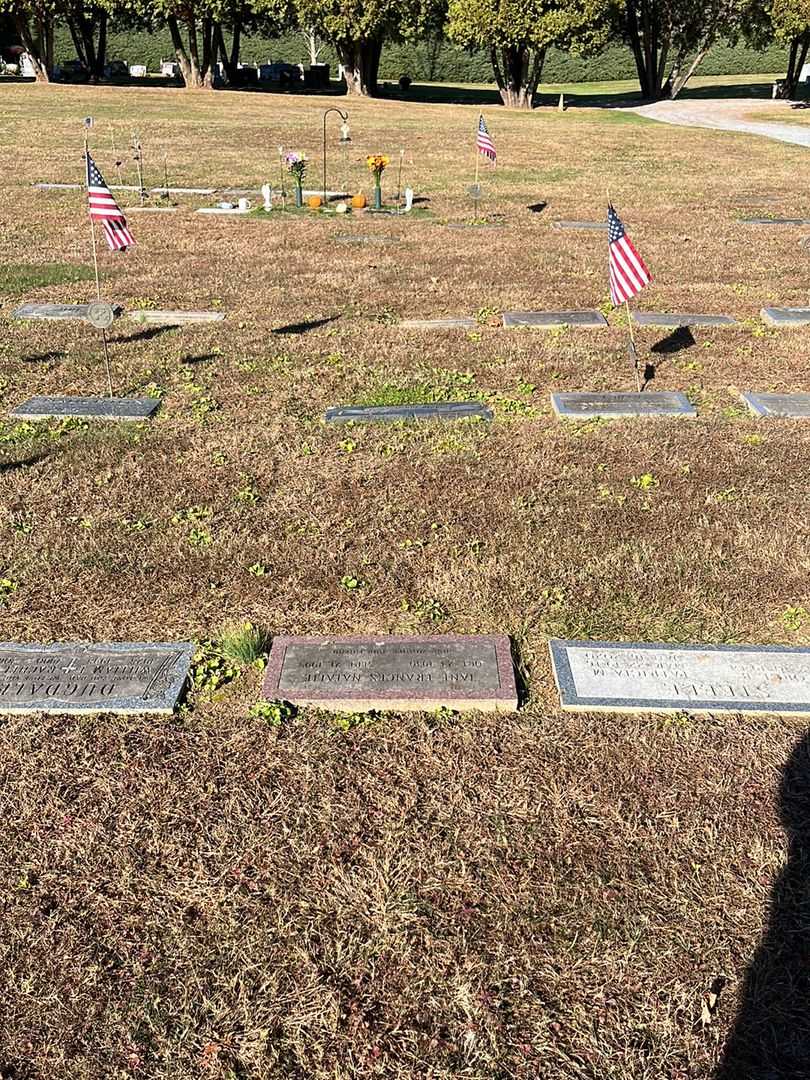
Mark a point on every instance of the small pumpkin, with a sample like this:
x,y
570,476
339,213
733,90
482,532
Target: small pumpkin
x,y
359,202
314,202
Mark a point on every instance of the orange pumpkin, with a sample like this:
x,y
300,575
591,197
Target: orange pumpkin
x,y
314,202
359,202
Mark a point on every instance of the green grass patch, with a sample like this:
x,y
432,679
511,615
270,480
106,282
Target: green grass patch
x,y
19,278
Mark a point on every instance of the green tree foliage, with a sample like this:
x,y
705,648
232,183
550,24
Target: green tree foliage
x,y
670,38
790,20
33,20
518,34
358,29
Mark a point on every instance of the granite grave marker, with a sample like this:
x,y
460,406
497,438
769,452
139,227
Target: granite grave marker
x,y
673,321
403,673
583,406
111,677
440,410
550,320
87,408
450,323
788,316
597,676
783,406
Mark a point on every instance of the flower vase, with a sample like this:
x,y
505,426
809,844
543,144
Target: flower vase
x,y
299,197
377,196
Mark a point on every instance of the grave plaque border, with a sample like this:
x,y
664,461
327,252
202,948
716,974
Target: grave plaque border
x,y
395,697
583,318
163,702
673,320
571,701
449,322
790,317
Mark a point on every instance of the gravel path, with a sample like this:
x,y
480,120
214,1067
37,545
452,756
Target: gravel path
x,y
724,116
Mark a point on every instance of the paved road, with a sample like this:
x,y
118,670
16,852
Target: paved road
x,y
725,115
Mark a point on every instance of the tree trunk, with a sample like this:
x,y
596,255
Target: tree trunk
x,y
230,60
197,72
517,72
649,52
34,47
796,60
361,65
676,82
101,49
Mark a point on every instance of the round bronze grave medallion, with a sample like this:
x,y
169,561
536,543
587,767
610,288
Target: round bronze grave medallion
x,y
100,314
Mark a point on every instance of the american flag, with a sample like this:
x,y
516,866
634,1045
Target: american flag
x,y
628,272
483,142
105,209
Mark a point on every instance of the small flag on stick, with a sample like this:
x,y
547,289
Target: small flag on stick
x,y
628,272
483,142
105,210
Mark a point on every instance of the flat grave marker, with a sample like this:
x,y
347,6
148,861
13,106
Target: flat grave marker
x,y
585,406
603,676
440,410
79,312
775,221
592,226
476,225
183,190
116,677
786,316
451,323
550,320
403,673
222,210
150,209
781,406
87,408
673,320
173,318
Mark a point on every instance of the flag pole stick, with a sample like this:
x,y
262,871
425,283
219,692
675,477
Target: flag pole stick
x,y
399,182
633,345
95,269
477,174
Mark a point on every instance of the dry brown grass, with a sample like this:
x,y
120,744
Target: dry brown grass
x,y
538,896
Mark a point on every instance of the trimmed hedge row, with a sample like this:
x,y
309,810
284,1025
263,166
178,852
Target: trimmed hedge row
x,y
437,60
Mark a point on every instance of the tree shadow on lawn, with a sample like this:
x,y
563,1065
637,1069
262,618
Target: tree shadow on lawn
x,y
304,327
771,1035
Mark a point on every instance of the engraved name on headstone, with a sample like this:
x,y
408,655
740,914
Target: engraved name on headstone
x,y
650,318
617,677
89,408
453,323
402,673
549,320
784,406
787,316
441,410
52,311
608,405
111,677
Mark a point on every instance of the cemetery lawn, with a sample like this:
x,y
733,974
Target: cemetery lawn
x,y
233,893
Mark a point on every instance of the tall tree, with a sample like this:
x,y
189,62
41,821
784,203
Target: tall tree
x,y
358,29
791,24
518,33
88,29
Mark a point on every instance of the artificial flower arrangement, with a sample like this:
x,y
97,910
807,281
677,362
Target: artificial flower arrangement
x,y
297,166
376,164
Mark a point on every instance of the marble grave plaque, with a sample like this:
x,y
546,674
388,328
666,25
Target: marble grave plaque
x,y
784,406
402,673
111,677
611,405
174,318
452,323
673,321
785,316
87,408
439,410
550,320
603,676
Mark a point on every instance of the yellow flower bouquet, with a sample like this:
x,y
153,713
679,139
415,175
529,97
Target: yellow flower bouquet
x,y
376,164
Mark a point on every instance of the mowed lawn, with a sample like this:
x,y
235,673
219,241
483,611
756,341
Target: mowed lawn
x,y
538,896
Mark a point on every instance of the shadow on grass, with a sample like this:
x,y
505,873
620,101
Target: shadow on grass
x,y
679,339
203,358
770,1039
538,207
304,327
145,335
44,358
14,466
